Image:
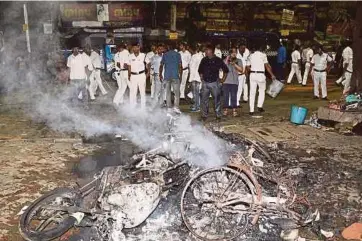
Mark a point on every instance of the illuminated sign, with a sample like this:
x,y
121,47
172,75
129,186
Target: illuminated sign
x,y
126,12
173,36
78,12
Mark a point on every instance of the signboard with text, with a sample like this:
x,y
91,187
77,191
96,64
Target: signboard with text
x,y
109,15
78,12
173,36
126,12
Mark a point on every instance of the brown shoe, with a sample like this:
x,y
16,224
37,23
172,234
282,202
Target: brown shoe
x,y
235,113
225,113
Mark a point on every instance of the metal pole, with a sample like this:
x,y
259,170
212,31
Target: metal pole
x,y
26,22
173,17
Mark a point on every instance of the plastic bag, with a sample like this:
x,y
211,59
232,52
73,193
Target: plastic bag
x,y
275,88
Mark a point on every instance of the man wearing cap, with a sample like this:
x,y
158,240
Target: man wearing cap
x,y
257,63
185,59
321,64
172,63
137,76
121,60
148,58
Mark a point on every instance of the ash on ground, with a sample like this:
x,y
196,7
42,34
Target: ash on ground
x,y
330,186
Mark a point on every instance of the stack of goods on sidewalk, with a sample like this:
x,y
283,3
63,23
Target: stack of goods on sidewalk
x,y
351,103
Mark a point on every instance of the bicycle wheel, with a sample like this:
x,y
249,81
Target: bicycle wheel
x,y
39,222
218,203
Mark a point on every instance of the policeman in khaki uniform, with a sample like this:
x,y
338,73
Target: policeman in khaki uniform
x,y
256,65
137,76
321,64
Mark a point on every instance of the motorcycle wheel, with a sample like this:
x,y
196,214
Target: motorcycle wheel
x,y
39,223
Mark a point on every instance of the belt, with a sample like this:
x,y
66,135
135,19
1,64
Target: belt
x,y
155,73
294,62
240,74
349,71
257,72
321,71
137,73
185,68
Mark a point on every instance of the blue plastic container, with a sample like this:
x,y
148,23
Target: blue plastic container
x,y
298,114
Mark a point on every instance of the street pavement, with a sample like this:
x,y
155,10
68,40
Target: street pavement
x,y
36,159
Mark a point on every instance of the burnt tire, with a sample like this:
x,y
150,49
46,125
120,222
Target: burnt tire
x,y
68,222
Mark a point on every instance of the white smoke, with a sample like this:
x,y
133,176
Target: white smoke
x,y
47,101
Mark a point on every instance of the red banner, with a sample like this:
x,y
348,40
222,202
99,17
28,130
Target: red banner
x,y
126,12
78,12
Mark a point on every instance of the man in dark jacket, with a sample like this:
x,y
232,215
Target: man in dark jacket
x,y
209,73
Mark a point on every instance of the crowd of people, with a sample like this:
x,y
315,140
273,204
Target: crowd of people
x,y
170,69
317,64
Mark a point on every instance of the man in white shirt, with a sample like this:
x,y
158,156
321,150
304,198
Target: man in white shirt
x,y
195,79
185,58
121,59
154,65
217,51
347,56
257,63
95,77
77,63
148,58
243,54
308,55
321,64
137,76
295,66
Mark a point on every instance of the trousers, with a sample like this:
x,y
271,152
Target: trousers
x,y
78,88
175,85
320,77
185,75
295,70
347,82
95,82
123,83
137,83
306,73
242,89
152,79
230,95
196,93
257,80
158,94
213,88
280,72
